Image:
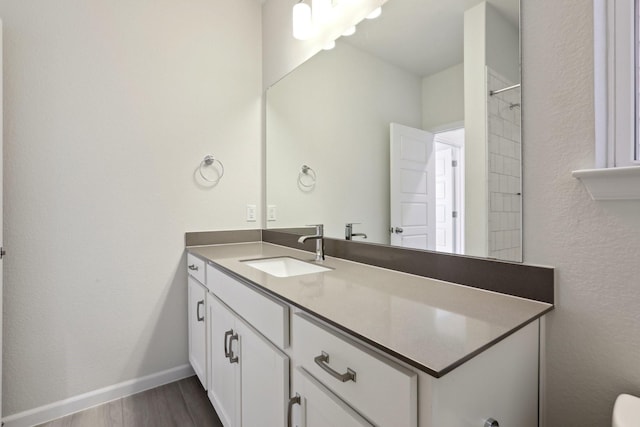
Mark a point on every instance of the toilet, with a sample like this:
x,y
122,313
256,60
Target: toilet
x,y
626,411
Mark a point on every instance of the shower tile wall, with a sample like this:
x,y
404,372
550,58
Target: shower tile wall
x,y
505,184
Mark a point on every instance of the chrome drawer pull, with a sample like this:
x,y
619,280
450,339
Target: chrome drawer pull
x,y
193,267
293,401
232,357
323,361
200,318
227,334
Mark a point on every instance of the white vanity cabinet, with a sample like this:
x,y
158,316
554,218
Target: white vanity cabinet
x,y
500,383
378,388
197,324
320,407
224,390
255,344
248,374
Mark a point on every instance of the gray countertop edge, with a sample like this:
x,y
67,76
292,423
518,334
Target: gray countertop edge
x,y
385,349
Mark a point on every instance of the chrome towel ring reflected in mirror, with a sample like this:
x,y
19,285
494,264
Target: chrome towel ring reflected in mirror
x,y
213,163
306,178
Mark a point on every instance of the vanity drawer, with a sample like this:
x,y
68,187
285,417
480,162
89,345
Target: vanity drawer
x,y
266,314
196,267
383,391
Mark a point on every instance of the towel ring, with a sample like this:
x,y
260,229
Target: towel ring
x,y
306,171
209,160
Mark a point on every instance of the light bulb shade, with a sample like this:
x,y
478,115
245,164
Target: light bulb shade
x,y
330,45
322,10
375,13
301,21
349,31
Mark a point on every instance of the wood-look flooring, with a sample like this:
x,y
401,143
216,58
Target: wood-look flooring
x,y
180,404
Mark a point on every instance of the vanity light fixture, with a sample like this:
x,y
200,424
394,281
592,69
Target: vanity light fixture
x,y
330,45
302,25
375,13
322,11
349,31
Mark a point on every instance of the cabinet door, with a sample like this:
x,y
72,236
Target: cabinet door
x,y
224,385
197,329
319,407
264,372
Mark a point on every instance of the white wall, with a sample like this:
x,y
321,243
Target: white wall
x,y
443,98
333,115
503,45
109,107
593,338
476,237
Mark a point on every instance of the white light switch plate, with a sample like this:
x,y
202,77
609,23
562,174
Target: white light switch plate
x,y
251,213
271,213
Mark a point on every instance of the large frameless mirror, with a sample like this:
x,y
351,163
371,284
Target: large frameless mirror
x,y
407,133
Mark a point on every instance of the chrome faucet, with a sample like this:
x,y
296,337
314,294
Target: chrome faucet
x,y
348,231
319,238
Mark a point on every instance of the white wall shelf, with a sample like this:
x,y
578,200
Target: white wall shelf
x,y
611,183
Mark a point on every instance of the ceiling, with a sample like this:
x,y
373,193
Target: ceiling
x,y
422,36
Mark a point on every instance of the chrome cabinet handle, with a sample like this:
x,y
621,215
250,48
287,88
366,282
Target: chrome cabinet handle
x,y
227,334
293,401
398,230
491,423
232,357
323,362
193,267
200,318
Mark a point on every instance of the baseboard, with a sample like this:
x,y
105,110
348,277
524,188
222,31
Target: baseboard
x,y
97,397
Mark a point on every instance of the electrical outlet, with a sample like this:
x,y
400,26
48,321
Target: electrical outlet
x,y
271,213
251,213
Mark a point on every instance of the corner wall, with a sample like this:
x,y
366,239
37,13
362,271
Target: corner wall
x,y
109,108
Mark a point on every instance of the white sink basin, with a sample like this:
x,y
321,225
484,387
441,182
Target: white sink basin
x,y
285,266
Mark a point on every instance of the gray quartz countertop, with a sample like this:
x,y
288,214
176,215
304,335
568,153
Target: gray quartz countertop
x,y
430,324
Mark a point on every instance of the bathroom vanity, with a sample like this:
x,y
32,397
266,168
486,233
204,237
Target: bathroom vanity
x,y
356,344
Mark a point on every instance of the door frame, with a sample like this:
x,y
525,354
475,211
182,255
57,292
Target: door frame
x,y
458,180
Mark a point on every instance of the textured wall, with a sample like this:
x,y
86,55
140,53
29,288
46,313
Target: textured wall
x,y
593,336
109,107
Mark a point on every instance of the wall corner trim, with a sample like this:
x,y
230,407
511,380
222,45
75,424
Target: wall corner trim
x,y
84,401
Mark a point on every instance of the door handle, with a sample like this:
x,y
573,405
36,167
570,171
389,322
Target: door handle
x,y
323,362
227,334
193,267
232,357
397,230
200,318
